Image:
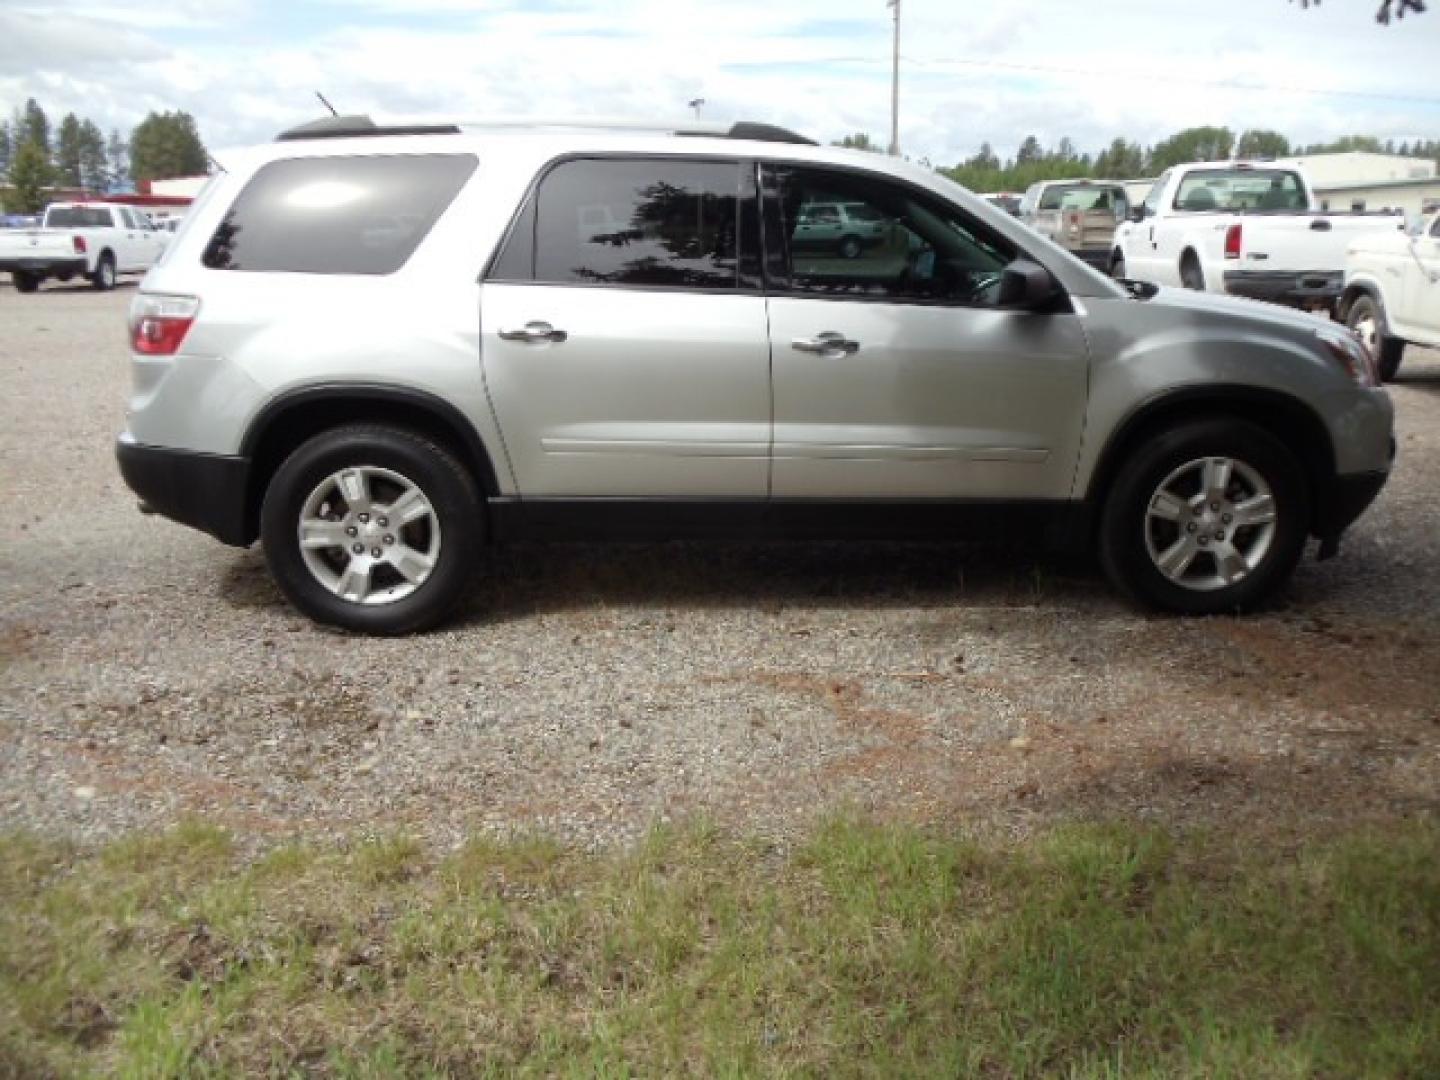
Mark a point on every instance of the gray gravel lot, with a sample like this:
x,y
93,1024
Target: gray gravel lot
x,y
148,672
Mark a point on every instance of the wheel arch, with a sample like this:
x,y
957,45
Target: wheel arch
x,y
1356,288
1294,422
289,420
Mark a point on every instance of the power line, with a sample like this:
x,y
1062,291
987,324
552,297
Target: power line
x,y
1167,78
1150,76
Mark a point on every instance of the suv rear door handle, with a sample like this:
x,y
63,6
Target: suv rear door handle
x,y
534,332
828,343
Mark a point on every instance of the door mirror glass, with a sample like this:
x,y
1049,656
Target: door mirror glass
x,y
1025,284
1138,213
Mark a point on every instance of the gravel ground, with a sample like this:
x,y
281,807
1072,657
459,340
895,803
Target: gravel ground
x,y
148,672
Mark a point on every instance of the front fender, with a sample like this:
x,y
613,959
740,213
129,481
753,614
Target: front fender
x,y
1184,343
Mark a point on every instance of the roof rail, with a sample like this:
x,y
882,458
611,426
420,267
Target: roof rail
x,y
335,127
339,127
743,129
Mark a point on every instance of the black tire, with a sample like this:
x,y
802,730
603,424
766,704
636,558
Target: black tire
x,y
1124,520
445,483
104,276
1117,266
24,282
1192,276
850,247
1389,351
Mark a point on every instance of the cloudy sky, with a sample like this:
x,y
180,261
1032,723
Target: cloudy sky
x,y
971,72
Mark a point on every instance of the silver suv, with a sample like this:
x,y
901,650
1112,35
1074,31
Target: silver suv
x,y
380,349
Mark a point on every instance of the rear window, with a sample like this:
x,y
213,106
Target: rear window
x,y
77,217
1241,189
1081,197
337,215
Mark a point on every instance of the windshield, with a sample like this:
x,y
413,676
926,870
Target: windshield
x,y
1241,189
77,217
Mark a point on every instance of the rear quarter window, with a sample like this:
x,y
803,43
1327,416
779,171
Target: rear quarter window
x,y
336,215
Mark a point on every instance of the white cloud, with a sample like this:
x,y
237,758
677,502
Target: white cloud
x,y
1052,68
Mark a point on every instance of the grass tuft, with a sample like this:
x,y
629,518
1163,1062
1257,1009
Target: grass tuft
x,y
1091,951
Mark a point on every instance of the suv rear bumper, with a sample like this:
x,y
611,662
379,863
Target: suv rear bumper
x,y
1286,286
204,491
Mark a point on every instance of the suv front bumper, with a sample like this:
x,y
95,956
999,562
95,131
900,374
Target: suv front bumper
x,y
205,491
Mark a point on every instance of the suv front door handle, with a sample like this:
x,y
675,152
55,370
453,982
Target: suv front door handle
x,y
534,332
828,343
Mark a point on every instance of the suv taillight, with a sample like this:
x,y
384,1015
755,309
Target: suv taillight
x,y
158,323
79,242
1232,241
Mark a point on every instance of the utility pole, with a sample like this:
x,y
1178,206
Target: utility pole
x,y
696,103
895,84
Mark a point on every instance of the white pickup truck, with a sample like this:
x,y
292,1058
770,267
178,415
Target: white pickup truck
x,y
97,241
1392,292
1244,228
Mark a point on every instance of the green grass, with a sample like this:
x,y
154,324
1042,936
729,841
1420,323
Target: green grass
x,y
870,950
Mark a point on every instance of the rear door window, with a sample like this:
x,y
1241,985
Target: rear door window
x,y
639,223
337,215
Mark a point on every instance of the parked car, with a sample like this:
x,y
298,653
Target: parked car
x,y
377,405
1248,229
847,228
1392,292
1079,215
97,241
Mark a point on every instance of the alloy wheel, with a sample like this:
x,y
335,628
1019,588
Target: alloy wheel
x,y
1210,523
369,535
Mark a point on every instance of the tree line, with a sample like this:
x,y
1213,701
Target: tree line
x,y
37,157
1126,160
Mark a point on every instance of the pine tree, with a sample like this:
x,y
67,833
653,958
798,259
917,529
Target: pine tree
x,y
34,126
29,179
67,151
93,170
117,155
167,144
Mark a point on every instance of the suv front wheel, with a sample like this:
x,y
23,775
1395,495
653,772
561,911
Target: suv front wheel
x,y
1208,517
372,528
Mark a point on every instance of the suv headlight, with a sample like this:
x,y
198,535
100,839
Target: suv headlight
x,y
1351,353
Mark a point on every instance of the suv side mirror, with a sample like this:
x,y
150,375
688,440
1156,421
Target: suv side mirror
x,y
1137,214
1026,284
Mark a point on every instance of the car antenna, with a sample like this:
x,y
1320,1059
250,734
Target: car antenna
x,y
327,104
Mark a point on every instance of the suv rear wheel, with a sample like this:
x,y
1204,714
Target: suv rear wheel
x,y
1208,517
372,528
